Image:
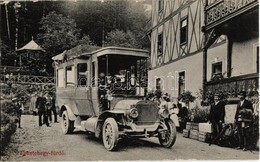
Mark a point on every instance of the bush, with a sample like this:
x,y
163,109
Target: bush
x,y
6,132
9,108
9,115
199,115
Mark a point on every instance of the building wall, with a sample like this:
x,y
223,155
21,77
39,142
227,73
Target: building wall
x,y
217,53
244,57
169,25
192,66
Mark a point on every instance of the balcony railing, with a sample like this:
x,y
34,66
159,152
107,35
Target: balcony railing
x,y
28,79
232,86
218,10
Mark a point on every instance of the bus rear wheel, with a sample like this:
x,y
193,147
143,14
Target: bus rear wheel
x,y
67,125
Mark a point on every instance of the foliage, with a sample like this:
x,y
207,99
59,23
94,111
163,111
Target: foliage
x,y
209,98
199,115
121,39
9,115
187,97
58,33
102,18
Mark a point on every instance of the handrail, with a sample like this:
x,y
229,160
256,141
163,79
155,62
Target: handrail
x,y
28,79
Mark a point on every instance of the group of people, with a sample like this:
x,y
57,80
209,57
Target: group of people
x,y
43,104
243,118
177,106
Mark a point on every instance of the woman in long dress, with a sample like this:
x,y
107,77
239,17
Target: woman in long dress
x,y
33,103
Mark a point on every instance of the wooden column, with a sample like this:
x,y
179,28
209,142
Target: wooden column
x,y
229,55
205,51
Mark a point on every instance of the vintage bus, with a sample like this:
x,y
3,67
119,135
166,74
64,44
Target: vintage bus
x,y
102,92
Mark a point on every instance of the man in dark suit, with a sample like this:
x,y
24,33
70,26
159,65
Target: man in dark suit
x,y
243,120
217,114
42,110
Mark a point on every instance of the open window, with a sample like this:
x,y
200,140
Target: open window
x,y
70,76
217,71
160,45
184,31
118,75
181,81
82,74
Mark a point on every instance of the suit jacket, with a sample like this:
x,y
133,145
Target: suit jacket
x,y
217,112
247,104
41,103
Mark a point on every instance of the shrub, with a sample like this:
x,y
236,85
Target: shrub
x,y
9,115
187,97
199,115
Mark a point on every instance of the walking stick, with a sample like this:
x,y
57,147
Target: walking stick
x,y
220,134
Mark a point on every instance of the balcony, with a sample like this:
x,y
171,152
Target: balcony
x,y
231,86
219,12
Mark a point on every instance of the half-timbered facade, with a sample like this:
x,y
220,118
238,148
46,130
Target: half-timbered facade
x,y
201,44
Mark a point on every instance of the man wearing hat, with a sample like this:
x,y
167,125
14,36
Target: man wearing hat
x,y
243,120
217,114
41,108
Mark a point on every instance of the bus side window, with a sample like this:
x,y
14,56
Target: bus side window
x,y
70,79
82,74
60,78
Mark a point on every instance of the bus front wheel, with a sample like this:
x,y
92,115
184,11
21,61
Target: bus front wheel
x,y
67,125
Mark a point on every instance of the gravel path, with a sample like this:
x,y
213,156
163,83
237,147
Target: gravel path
x,y
48,144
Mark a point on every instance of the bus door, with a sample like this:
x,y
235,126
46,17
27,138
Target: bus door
x,y
83,91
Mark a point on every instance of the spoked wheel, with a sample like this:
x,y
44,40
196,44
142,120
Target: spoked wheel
x,y
66,124
110,134
168,138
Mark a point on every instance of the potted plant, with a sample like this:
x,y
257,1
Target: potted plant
x,y
187,97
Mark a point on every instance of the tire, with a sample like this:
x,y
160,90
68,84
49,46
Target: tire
x,y
110,134
170,136
67,125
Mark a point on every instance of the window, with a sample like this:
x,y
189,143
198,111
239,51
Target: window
x,y
158,83
70,79
160,45
217,71
60,78
93,74
217,68
82,74
257,59
181,86
160,5
184,30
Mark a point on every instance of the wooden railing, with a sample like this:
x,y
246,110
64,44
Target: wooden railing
x,y
217,10
28,79
232,86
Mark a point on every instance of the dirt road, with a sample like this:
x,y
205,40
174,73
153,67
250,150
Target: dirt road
x,y
48,143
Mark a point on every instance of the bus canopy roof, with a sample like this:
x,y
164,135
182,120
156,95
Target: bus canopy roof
x,y
81,52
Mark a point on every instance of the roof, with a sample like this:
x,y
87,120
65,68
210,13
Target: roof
x,y
31,46
59,57
79,53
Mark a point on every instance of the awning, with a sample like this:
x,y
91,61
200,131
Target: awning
x,y
31,46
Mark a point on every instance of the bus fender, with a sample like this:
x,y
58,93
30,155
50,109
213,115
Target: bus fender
x,y
175,119
70,112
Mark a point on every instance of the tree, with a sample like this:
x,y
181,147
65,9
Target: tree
x,y
59,33
121,39
98,19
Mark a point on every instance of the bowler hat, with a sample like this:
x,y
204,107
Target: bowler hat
x,y
242,93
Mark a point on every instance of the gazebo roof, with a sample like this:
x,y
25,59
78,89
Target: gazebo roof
x,y
31,46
